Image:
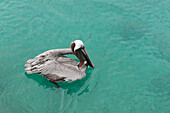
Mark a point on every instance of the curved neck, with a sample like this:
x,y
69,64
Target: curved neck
x,y
81,63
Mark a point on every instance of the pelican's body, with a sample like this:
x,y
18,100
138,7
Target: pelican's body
x,y
56,67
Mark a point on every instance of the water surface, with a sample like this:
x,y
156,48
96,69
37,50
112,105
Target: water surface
x,y
128,42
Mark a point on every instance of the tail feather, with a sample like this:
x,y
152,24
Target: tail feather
x,y
31,66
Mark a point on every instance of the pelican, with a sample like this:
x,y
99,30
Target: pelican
x,y
56,67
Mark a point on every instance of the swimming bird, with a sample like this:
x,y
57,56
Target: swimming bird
x,y
56,67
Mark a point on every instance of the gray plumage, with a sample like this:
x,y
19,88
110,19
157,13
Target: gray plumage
x,y
55,66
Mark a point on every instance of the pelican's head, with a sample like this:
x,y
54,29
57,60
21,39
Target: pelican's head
x,y
79,50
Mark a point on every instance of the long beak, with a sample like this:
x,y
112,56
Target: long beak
x,y
87,58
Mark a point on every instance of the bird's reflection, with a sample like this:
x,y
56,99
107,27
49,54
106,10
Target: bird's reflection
x,y
72,87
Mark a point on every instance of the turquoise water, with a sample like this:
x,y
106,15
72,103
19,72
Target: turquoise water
x,y
127,40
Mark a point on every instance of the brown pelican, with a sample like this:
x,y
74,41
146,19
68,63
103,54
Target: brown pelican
x,y
56,67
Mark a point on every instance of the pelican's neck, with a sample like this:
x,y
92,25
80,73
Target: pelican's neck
x,y
81,63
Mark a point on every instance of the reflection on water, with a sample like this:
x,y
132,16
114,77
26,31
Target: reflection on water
x,y
72,87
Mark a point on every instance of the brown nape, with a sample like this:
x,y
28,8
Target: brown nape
x,y
81,63
72,47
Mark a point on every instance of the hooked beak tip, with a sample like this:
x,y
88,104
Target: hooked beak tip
x,y
93,67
